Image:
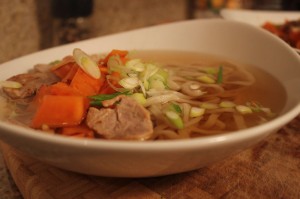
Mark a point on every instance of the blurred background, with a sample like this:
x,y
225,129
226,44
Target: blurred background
x,y
31,25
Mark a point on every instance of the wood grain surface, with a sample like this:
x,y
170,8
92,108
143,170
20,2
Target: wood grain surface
x,y
271,169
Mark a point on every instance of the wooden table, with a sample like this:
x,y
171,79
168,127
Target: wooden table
x,y
270,169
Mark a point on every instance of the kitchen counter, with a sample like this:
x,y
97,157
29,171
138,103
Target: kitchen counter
x,y
270,169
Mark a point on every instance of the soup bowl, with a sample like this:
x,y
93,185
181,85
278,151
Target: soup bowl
x,y
232,40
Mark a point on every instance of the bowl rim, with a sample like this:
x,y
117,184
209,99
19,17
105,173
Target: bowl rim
x,y
166,145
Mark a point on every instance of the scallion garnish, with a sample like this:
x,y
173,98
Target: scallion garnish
x,y
54,62
96,100
176,108
175,119
220,75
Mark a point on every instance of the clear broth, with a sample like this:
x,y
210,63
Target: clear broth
x,y
267,89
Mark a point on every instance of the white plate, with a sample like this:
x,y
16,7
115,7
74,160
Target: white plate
x,y
228,39
258,18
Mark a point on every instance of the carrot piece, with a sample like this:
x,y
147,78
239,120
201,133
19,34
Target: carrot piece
x,y
104,70
106,88
62,68
43,90
62,88
121,53
86,84
58,111
69,76
80,130
59,88
64,61
62,71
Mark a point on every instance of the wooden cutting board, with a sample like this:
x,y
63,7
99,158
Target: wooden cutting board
x,y
271,169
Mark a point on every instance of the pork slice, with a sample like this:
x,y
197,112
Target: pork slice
x,y
128,120
31,82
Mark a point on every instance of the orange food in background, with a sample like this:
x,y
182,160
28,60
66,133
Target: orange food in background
x,y
288,31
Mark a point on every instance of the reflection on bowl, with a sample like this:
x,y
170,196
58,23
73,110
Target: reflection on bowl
x,y
230,40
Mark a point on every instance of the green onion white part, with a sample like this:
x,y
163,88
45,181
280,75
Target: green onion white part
x,y
86,63
208,105
206,79
243,109
10,84
129,82
136,65
175,119
227,104
197,112
139,97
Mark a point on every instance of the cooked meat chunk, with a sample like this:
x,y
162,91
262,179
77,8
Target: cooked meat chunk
x,y
31,82
42,67
128,120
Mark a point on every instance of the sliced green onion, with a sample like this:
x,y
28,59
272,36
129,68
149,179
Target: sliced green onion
x,y
136,65
220,75
176,108
132,74
96,100
10,84
146,84
144,76
142,88
208,105
54,62
140,98
256,107
197,112
86,63
243,109
129,82
206,79
227,104
163,74
175,119
156,84
103,97
195,86
150,69
113,62
209,70
268,112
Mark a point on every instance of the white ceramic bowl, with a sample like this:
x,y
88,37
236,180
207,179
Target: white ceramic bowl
x,y
233,40
259,17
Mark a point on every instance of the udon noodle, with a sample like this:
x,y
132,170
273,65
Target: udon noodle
x,y
216,119
185,96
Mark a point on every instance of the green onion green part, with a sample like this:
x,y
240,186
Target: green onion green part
x,y
175,119
220,75
96,100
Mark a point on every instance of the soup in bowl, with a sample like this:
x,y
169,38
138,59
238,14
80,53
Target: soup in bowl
x,y
138,107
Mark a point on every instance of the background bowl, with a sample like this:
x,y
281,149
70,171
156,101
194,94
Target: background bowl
x,y
259,17
231,40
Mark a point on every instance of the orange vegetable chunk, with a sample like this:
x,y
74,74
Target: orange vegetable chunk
x,y
121,53
86,84
61,88
59,111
